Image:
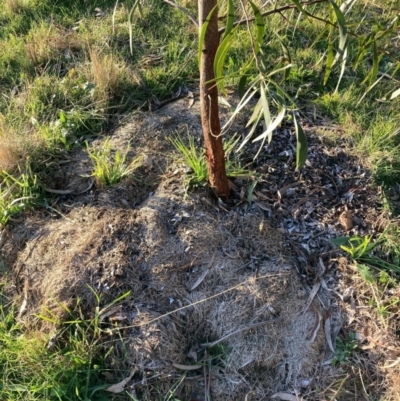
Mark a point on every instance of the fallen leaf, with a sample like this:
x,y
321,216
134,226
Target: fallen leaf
x,y
109,376
187,367
328,335
120,387
286,397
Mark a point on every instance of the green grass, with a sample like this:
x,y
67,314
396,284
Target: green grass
x,y
195,160
109,170
35,366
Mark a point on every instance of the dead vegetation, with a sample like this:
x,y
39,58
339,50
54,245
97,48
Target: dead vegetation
x,y
221,303
52,44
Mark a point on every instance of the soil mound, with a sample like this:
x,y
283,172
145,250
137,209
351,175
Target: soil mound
x,y
199,280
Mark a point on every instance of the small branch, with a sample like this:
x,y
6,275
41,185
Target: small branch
x,y
251,36
251,326
184,10
276,10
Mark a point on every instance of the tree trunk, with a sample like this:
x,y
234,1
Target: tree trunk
x,y
209,102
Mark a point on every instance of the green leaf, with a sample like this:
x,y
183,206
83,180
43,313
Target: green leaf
x,y
375,64
242,85
220,57
266,112
203,31
339,241
229,19
342,26
366,273
298,5
301,145
63,120
342,50
272,125
329,61
260,27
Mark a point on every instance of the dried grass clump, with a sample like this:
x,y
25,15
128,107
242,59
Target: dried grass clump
x,y
15,6
11,147
106,74
50,44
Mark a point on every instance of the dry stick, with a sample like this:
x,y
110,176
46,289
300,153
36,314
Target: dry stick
x,y
250,34
196,303
340,387
252,326
184,10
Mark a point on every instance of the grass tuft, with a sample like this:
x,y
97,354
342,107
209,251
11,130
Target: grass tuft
x,y
196,161
109,171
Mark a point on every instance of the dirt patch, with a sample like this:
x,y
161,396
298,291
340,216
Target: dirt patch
x,y
225,274
245,296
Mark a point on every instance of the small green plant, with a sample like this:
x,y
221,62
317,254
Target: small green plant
x,y
344,349
17,193
361,249
34,367
107,170
195,159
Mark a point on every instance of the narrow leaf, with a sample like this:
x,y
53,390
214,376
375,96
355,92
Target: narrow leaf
x,y
298,5
203,31
395,94
301,145
220,57
375,64
329,61
242,85
342,25
255,114
260,26
266,112
229,19
273,125
342,69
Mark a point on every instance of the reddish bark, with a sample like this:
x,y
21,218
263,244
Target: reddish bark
x,y
209,102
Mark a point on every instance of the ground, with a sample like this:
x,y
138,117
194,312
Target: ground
x,y
242,302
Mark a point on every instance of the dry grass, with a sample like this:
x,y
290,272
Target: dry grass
x,y
11,148
15,6
51,44
106,75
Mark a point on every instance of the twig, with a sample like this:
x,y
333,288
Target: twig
x,y
251,36
252,326
277,10
184,10
199,302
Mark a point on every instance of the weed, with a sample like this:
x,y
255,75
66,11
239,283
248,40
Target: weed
x,y
34,367
344,349
17,193
362,251
108,171
196,161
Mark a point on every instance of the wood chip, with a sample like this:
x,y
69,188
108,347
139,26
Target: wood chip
x,y
346,220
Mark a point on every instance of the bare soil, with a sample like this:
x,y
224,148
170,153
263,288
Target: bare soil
x,y
241,303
